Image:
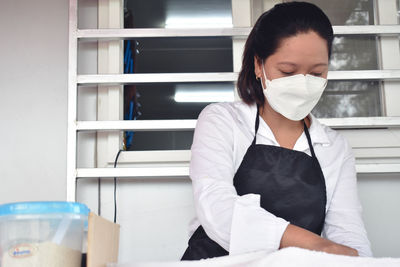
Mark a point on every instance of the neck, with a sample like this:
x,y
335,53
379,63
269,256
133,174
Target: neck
x,y
286,131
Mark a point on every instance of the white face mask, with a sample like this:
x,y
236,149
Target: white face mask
x,y
294,96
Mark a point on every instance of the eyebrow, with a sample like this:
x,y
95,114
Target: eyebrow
x,y
293,64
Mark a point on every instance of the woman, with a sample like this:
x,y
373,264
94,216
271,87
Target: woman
x,y
266,174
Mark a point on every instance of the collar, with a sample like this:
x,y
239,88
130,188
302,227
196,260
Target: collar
x,y
318,132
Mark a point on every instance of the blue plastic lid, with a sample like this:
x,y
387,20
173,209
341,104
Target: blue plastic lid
x,y
45,207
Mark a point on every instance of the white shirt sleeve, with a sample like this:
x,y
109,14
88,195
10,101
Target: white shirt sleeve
x,y
343,222
237,223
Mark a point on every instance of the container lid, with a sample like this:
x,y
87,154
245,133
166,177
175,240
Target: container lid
x,y
45,207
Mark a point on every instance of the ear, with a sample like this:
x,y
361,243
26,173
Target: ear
x,y
257,67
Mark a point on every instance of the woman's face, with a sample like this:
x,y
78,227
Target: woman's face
x,y
304,53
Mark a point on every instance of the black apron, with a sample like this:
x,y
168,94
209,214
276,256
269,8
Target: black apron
x,y
291,185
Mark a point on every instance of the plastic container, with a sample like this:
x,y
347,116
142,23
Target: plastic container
x,y
42,234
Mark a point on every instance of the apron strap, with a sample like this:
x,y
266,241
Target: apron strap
x,y
256,126
309,139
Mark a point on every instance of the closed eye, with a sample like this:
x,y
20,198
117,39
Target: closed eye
x,y
287,73
316,74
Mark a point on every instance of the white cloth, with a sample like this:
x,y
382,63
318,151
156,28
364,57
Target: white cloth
x,y
287,257
223,133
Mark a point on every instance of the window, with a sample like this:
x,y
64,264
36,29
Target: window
x,y
173,51
159,101
351,98
342,98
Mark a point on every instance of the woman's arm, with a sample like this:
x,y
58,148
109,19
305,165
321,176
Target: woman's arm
x,y
343,230
343,221
295,236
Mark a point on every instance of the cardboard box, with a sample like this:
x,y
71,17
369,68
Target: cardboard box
x,y
102,241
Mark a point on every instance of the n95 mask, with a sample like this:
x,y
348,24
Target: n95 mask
x,y
294,96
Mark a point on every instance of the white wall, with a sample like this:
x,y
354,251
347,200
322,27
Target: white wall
x,y
379,195
33,93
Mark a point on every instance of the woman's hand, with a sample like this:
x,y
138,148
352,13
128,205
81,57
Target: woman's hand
x,y
295,236
334,248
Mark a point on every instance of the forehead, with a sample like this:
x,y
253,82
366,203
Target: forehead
x,y
302,48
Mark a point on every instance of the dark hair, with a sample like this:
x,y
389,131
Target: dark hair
x,y
282,21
